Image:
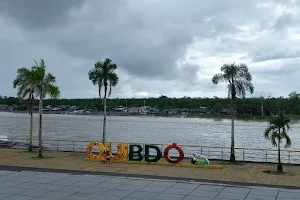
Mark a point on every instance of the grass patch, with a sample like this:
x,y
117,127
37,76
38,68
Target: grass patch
x,y
232,163
273,172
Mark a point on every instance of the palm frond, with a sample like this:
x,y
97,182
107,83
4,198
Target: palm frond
x,y
273,139
218,78
288,141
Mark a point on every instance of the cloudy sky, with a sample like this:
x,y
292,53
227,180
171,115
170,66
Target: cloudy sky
x,y
169,47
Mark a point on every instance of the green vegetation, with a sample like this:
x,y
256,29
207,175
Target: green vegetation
x,y
247,108
103,74
239,80
277,131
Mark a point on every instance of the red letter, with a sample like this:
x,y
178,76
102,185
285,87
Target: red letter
x,y
166,153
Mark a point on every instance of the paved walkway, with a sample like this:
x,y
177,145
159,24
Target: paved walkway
x,y
28,185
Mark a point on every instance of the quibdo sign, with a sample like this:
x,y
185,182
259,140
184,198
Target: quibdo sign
x,y
135,152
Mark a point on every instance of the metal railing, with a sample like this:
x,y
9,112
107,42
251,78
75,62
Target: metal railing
x,y
212,153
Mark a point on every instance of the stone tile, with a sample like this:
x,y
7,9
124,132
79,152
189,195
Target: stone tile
x,y
97,179
107,185
70,189
211,188
289,194
49,187
95,191
7,184
59,194
4,195
197,198
43,180
165,184
4,172
177,191
107,198
56,176
283,198
64,182
133,198
119,193
84,184
35,193
80,196
17,197
153,189
146,195
129,187
237,190
204,193
189,186
12,190
258,197
139,182
232,196
169,197
25,179
118,180
76,178
263,192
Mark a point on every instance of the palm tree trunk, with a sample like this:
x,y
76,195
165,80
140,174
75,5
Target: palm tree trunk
x,y
279,165
104,122
30,132
232,153
40,127
104,117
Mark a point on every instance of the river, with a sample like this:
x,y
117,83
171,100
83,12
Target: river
x,y
190,131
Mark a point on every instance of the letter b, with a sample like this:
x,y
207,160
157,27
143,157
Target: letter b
x,y
133,154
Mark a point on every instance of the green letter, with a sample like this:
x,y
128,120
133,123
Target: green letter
x,y
158,153
133,154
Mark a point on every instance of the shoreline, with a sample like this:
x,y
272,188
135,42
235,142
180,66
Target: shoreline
x,y
217,117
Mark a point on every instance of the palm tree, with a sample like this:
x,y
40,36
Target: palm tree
x,y
25,83
239,80
43,85
103,74
277,130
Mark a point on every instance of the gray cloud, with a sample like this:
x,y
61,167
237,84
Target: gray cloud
x,y
39,14
169,47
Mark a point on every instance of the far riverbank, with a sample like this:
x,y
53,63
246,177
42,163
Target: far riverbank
x,y
208,116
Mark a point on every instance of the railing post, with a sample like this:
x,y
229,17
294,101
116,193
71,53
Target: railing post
x,y
201,151
266,156
289,157
222,154
57,146
243,155
73,146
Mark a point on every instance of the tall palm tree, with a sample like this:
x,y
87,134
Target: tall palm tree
x,y
239,80
25,83
277,130
103,74
44,85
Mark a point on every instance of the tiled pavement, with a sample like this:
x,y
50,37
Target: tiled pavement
x,y
27,185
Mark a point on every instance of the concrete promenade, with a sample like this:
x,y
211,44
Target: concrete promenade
x,y
246,174
30,185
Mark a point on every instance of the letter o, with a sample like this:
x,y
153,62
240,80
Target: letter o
x,y
166,153
90,153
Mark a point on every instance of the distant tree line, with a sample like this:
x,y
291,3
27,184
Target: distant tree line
x,y
245,106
